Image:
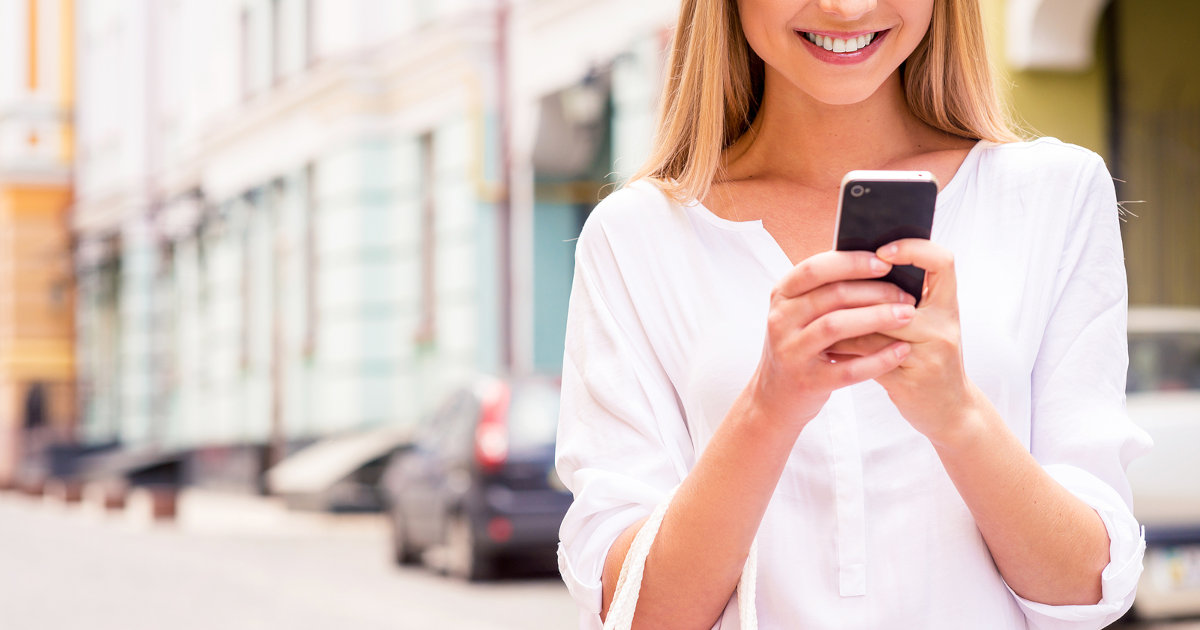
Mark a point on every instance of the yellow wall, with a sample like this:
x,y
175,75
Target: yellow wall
x,y
1162,68
37,296
37,308
66,57
1071,106
37,323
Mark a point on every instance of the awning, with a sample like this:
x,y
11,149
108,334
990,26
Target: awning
x,y
318,467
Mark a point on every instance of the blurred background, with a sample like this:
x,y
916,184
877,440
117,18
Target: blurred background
x,y
296,272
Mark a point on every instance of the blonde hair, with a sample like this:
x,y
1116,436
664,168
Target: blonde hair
x,y
714,87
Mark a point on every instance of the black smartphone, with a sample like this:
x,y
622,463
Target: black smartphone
x,y
878,207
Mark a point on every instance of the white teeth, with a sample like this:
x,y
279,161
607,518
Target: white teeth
x,y
840,45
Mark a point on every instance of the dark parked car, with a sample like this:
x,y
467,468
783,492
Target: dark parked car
x,y
478,485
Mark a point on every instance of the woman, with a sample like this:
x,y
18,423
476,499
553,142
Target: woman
x,y
956,465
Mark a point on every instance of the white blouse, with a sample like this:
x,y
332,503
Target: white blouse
x,y
666,323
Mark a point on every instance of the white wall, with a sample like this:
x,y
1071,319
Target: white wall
x,y
49,26
111,95
26,113
14,62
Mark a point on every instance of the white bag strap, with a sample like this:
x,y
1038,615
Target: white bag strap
x,y
629,584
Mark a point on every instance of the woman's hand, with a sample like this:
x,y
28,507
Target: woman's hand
x,y
1049,545
930,386
826,299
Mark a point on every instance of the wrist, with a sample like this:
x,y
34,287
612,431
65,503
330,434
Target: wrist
x,y
764,414
970,425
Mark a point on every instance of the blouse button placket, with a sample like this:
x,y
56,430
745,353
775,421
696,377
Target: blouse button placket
x,y
848,494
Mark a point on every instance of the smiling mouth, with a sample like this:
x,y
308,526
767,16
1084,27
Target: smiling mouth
x,y
843,46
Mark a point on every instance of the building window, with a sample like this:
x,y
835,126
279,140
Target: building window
x,y
308,188
310,33
247,208
247,55
427,326
276,60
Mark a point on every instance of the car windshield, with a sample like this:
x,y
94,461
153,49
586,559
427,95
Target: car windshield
x,y
1164,361
533,415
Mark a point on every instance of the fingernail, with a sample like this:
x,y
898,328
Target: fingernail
x,y
902,351
903,312
904,297
889,250
878,266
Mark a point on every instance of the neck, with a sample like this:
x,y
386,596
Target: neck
x,y
797,138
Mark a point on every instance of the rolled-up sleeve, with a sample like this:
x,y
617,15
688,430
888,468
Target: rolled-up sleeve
x,y
1080,432
622,441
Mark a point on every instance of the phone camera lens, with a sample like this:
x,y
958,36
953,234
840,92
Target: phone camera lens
x,y
857,190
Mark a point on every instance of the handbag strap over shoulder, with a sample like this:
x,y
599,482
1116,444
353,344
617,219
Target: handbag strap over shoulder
x,y
629,584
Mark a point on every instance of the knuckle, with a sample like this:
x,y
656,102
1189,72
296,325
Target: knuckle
x,y
829,326
849,374
775,321
938,363
807,274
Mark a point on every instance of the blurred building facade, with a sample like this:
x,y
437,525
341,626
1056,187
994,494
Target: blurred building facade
x,y
36,289
297,217
292,214
257,261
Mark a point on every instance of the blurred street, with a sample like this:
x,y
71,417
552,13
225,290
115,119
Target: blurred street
x,y
68,568
239,567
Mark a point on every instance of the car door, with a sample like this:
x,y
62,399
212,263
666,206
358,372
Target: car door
x,y
424,473
457,453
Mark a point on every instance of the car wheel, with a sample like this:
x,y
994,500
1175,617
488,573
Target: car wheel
x,y
404,553
464,559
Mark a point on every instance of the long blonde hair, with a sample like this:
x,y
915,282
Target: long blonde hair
x,y
714,87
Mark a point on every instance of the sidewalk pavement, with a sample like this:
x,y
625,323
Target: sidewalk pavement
x,y
213,512
204,511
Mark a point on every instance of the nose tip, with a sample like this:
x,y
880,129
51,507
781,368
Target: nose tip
x,y
848,9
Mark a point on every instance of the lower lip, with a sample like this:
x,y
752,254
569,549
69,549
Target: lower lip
x,y
844,59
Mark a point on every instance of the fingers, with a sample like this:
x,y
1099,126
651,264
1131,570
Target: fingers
x,y
843,324
829,267
856,370
842,295
861,346
917,251
937,261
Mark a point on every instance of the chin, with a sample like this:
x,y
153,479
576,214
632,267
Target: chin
x,y
848,91
851,95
